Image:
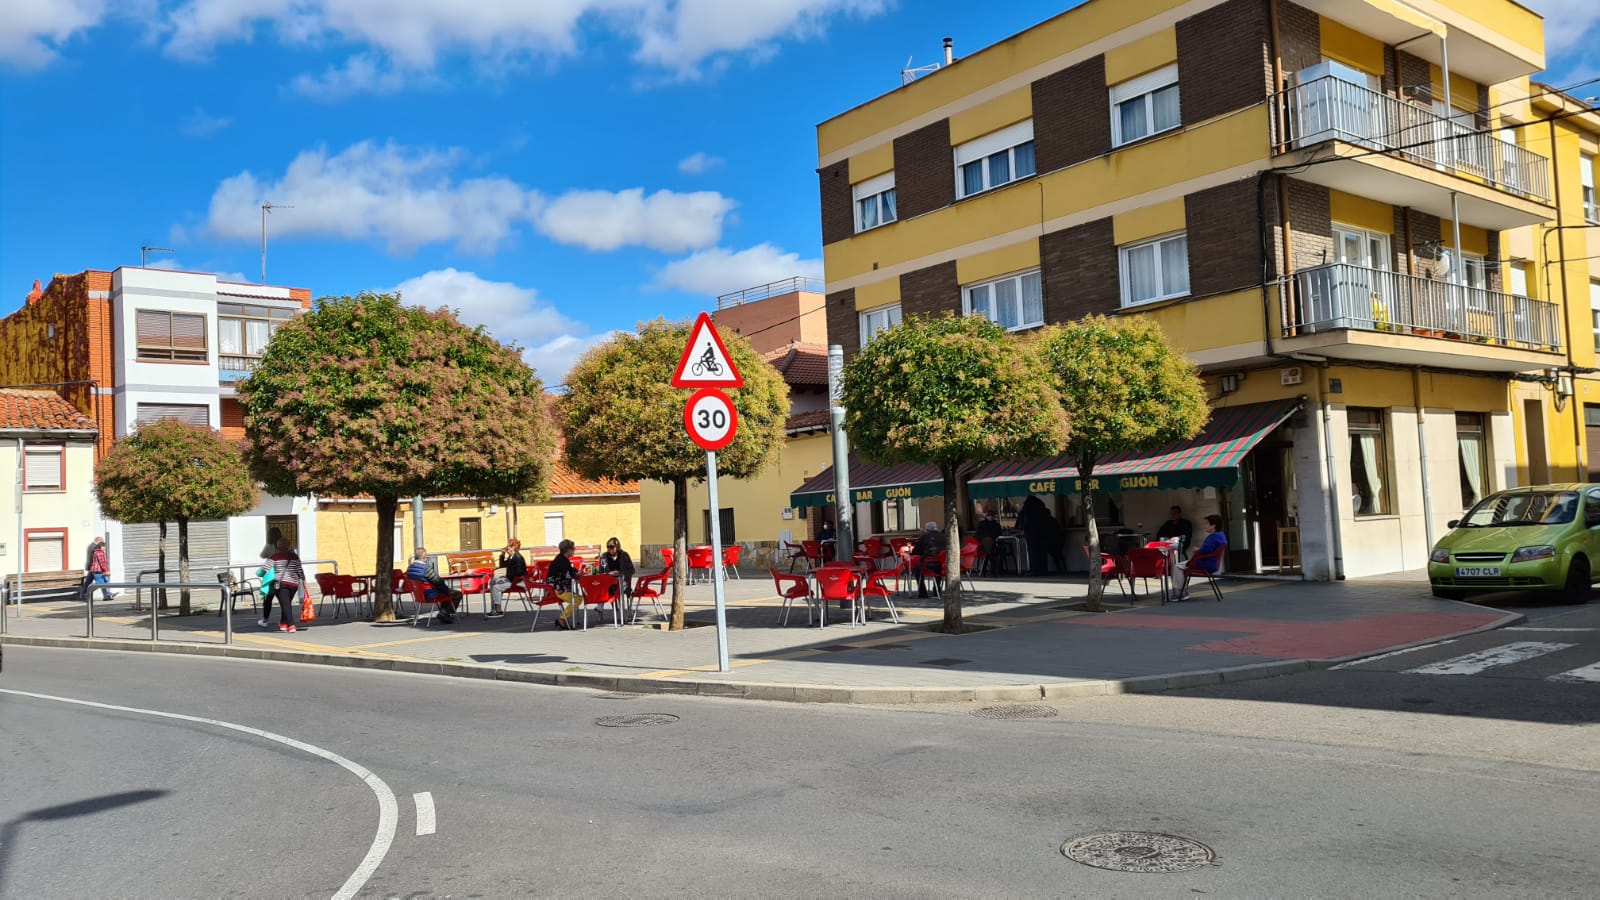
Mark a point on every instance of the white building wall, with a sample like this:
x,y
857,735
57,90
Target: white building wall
x,y
72,509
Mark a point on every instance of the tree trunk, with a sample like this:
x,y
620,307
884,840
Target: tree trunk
x,y
383,589
161,563
680,549
183,564
952,553
1097,584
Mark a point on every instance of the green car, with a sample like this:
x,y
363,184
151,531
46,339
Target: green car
x,y
1541,538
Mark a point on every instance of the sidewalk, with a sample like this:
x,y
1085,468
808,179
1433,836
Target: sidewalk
x,y
1034,644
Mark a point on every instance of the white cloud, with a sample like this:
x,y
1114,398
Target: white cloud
x,y
403,197
665,221
360,74
1566,23
31,31
199,124
719,271
551,342
680,36
699,163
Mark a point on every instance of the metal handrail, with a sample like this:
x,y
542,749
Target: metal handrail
x,y
155,628
138,594
770,289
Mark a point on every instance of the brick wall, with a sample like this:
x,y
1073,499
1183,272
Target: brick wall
x,y
1427,239
1299,38
930,291
1310,225
844,327
1071,116
1223,63
1078,267
1415,77
65,336
1495,281
838,215
924,170
1224,240
232,425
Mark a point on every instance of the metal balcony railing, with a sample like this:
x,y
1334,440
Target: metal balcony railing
x,y
1357,297
1331,108
771,289
231,366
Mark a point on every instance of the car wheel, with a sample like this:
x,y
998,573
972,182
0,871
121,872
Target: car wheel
x,y
1577,589
1443,594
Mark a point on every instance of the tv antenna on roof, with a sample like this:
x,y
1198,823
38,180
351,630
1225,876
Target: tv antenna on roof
x,y
909,74
267,207
146,250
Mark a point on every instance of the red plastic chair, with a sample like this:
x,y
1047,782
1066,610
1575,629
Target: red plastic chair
x,y
541,594
1145,564
971,559
815,554
877,586
730,562
1195,570
478,583
326,591
838,582
652,588
522,588
700,560
1110,567
600,590
667,555
932,568
792,588
419,599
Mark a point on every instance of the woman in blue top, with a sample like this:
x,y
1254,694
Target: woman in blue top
x,y
1208,557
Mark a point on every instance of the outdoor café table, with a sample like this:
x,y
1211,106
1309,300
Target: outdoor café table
x,y
856,614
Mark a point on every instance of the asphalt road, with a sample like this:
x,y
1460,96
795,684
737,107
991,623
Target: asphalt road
x,y
1301,789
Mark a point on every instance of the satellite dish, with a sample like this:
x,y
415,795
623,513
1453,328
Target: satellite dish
x,y
1442,265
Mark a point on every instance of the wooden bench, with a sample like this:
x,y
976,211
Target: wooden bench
x,y
468,560
46,585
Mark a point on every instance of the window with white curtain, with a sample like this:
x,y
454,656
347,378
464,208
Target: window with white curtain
x,y
876,320
1475,272
874,201
1591,209
1013,302
1369,462
1517,278
999,157
244,330
1145,105
1154,270
1471,450
1594,312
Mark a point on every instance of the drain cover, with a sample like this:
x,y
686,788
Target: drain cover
x,y
1138,851
620,695
1019,711
635,720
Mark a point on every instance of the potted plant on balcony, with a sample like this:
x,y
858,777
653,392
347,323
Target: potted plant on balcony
x,y
1380,314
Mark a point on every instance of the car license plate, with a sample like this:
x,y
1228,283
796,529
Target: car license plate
x,y
1477,571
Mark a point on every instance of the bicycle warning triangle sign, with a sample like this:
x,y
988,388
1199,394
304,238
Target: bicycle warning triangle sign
x,y
705,362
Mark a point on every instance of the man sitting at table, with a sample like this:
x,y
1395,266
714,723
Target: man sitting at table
x,y
932,543
423,569
1176,526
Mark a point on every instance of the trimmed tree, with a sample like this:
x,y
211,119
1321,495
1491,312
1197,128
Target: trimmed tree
x,y
1129,390
956,392
366,396
170,471
623,419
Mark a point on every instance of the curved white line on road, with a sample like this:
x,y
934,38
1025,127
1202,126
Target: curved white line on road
x,y
388,809
425,820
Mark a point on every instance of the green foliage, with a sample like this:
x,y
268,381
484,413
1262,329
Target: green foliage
x,y
622,418
1126,387
948,391
364,395
170,471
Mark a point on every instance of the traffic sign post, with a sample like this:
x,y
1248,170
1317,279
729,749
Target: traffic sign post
x,y
712,421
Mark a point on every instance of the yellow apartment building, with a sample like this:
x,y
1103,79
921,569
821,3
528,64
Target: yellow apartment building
x,y
1359,218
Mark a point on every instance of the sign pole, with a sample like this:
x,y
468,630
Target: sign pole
x,y
844,504
716,562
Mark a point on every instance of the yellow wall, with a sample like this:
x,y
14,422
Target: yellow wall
x,y
1152,220
869,163
757,503
1004,261
1004,110
1193,325
1344,44
1144,55
1361,212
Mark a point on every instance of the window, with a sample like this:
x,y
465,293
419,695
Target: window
x,y
997,158
1155,270
1013,302
1591,209
244,330
874,202
1369,462
192,413
726,536
1475,271
901,515
1594,312
44,468
876,320
163,336
45,550
1144,106
1517,279
1470,450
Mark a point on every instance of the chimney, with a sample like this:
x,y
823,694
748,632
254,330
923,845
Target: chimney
x,y
35,294
949,51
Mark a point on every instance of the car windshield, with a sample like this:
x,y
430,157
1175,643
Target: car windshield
x,y
1524,508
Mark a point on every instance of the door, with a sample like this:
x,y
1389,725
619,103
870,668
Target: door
x,y
1533,429
471,534
554,529
288,526
1363,293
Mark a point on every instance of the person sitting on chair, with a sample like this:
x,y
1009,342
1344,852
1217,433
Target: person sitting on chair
x,y
930,544
562,576
1207,558
423,569
1176,526
515,568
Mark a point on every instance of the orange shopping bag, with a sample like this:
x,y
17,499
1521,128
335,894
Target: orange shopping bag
x,y
308,609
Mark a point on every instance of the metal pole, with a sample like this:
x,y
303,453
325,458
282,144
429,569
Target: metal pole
x,y
22,462
716,562
416,523
264,208
841,455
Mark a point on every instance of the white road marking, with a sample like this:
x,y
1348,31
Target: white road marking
x,y
425,820
1362,662
1537,628
1504,655
388,809
1589,673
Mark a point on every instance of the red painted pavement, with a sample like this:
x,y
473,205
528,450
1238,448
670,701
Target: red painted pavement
x,y
1306,640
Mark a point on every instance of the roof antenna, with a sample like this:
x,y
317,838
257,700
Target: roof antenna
x,y
267,207
145,250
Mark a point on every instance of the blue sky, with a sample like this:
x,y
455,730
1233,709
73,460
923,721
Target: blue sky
x,y
555,169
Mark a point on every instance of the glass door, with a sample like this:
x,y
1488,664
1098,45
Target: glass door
x,y
1364,293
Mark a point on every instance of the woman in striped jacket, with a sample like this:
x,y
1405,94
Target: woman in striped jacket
x,y
289,577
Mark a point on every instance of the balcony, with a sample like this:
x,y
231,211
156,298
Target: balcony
x,y
232,367
1368,143
1356,312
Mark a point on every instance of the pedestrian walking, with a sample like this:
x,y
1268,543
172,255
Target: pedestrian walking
x,y
290,579
96,569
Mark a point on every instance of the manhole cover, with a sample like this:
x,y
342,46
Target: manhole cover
x,y
1019,711
621,695
635,720
1138,851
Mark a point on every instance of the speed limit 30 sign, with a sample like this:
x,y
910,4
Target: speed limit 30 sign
x,y
710,419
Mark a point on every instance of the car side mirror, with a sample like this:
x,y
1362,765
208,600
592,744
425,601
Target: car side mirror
x,y
1452,523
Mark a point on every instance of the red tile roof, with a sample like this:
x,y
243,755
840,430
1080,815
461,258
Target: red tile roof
x,y
40,411
566,483
801,365
817,419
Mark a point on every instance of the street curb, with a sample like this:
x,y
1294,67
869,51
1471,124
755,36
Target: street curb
x,y
757,690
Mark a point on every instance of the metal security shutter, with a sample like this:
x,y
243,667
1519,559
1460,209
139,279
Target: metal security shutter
x,y
191,413
43,467
47,552
208,546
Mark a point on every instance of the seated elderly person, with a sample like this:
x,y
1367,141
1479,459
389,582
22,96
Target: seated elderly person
x,y
423,569
931,543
